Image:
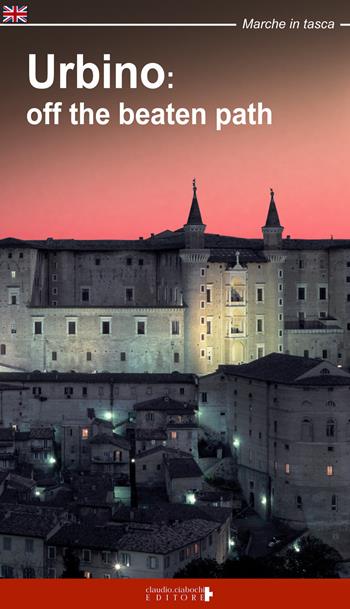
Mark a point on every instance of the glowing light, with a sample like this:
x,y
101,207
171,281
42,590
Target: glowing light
x,y
236,443
37,493
108,416
263,500
191,498
52,460
117,566
231,543
296,547
132,460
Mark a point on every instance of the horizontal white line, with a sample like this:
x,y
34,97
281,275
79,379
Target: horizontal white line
x,y
118,24
344,24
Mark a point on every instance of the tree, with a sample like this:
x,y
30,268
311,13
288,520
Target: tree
x,y
313,558
199,568
71,566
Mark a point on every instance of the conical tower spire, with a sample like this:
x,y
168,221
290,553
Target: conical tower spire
x,y
195,217
272,219
272,231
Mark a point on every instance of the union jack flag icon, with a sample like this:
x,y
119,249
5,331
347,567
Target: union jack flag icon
x,y
15,14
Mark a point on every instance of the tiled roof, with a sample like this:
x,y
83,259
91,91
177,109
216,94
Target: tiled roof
x,y
309,324
166,404
41,433
150,434
87,536
7,434
116,440
171,512
183,468
161,449
276,367
27,524
165,539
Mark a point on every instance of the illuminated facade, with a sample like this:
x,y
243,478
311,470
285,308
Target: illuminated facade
x,y
182,300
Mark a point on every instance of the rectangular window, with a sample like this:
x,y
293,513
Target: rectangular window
x,y
202,272
260,324
68,391
36,390
173,435
85,294
322,293
334,503
13,296
86,555
140,327
129,294
125,559
329,470
97,261
140,261
259,294
209,294
287,468
128,261
51,552
176,358
106,557
153,562
7,543
88,356
204,397
54,356
209,325
123,356
324,354
301,293
105,326
2,349
85,433
71,327
260,351
175,327
38,328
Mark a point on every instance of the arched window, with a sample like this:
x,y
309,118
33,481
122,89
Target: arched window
x,y
330,428
306,430
330,404
299,502
28,573
325,371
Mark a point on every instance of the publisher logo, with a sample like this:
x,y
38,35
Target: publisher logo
x,y
180,594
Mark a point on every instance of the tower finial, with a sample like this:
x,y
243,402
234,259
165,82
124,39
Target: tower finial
x,y
194,186
271,193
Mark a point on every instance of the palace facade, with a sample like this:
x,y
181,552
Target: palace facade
x,y
183,300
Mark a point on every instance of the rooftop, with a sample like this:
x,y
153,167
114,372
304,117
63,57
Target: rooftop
x,y
283,368
116,440
166,404
99,377
183,468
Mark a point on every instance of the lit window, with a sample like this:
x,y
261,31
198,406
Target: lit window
x,y
173,435
85,433
287,468
329,470
13,274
